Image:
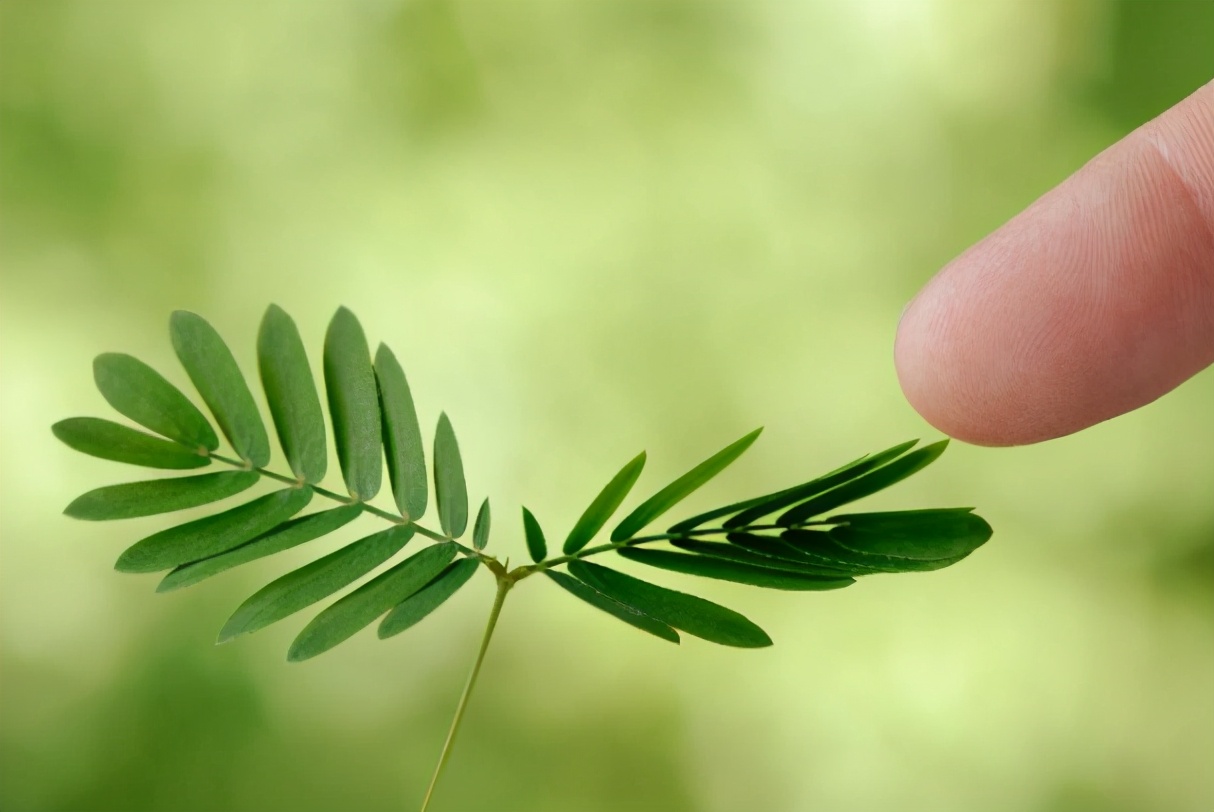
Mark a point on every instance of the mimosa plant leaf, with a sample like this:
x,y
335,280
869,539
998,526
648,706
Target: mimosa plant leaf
x,y
793,539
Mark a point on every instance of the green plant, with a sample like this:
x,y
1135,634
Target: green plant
x,y
791,539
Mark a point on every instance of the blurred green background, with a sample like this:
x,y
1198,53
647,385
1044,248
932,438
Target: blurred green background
x,y
588,228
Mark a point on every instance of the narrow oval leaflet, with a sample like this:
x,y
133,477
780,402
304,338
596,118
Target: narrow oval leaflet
x,y
290,391
682,487
214,534
631,616
688,613
928,535
537,547
361,607
480,529
418,606
738,572
604,505
731,552
821,545
283,537
133,499
353,405
402,436
217,377
144,395
114,441
776,548
450,488
313,582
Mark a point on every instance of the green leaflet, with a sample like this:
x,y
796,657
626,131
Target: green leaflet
x,y
480,530
676,491
211,367
214,534
848,472
402,436
415,608
604,505
291,393
733,552
740,573
693,615
312,582
865,485
536,546
353,405
142,394
133,499
775,548
450,489
631,616
362,606
820,545
926,535
113,441
285,536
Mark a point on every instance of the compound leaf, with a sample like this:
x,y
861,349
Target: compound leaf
x,y
604,505
415,608
536,546
353,404
210,365
450,489
402,436
291,392
737,572
480,530
214,534
114,441
133,499
142,394
631,616
313,582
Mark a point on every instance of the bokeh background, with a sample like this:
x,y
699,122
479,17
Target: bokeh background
x,y
589,228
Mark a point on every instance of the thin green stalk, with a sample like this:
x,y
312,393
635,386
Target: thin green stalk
x,y
503,586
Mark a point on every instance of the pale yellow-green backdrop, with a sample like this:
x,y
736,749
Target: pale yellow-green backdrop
x,y
589,228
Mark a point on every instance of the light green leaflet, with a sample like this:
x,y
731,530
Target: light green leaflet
x,y
141,393
291,393
450,489
113,441
362,606
353,405
741,573
604,505
133,499
480,530
211,367
676,491
537,547
312,582
285,536
402,436
214,534
418,606
631,616
693,615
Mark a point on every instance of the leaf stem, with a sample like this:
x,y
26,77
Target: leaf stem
x,y
504,583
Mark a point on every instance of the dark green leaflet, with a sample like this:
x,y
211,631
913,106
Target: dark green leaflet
x,y
693,615
865,485
731,552
772,547
415,608
740,573
214,534
450,489
362,606
312,582
147,498
676,491
402,436
113,441
285,536
821,545
927,535
142,394
631,616
211,367
820,485
353,405
604,505
291,393
536,546
480,530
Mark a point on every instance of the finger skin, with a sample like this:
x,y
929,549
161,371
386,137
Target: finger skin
x,y
1097,299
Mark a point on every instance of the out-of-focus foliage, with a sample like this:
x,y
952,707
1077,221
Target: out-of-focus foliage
x,y
589,225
